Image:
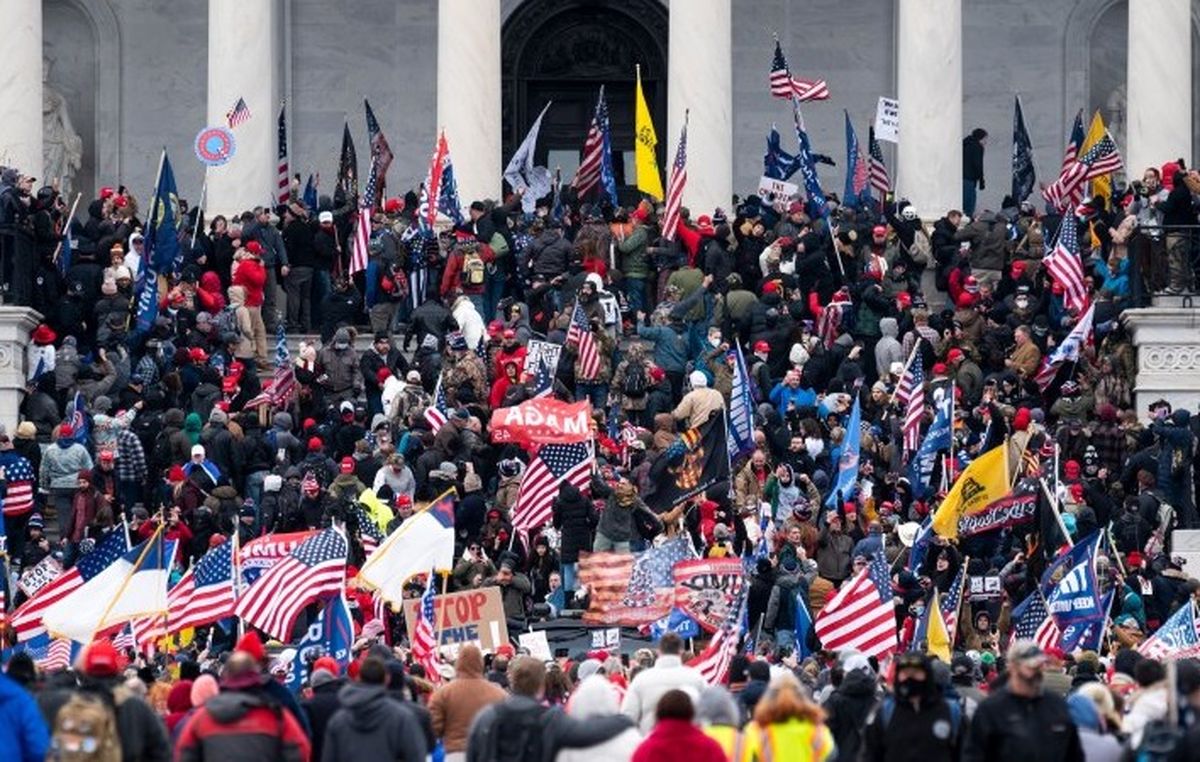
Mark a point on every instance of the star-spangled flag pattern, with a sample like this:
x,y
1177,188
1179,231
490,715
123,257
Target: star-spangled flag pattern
x,y
595,170
27,620
1057,194
951,602
239,114
1068,350
784,85
205,593
1176,638
857,172
654,570
435,414
1099,160
579,335
368,531
551,466
424,644
861,615
314,570
910,392
283,178
19,479
675,186
713,662
284,383
1065,267
49,654
381,159
1033,622
881,183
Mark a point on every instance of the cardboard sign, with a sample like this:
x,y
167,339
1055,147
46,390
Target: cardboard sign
x,y
609,639
471,616
537,644
539,353
772,190
887,120
984,588
543,421
37,577
705,588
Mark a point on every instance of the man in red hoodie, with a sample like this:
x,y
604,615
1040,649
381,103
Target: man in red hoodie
x,y
249,273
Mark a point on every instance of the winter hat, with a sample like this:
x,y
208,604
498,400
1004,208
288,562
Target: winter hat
x,y
26,430
66,431
109,287
347,465
204,688
1021,419
35,522
315,444
44,335
697,379
272,483
382,375
176,474
253,645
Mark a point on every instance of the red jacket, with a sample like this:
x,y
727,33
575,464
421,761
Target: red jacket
x,y
452,276
234,726
252,276
678,740
209,294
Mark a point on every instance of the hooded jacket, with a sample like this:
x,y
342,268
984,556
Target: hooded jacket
x,y
575,517
370,725
849,707
23,733
454,706
234,726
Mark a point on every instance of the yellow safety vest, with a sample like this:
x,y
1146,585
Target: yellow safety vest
x,y
792,741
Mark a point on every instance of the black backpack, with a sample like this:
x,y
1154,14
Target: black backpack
x,y
517,735
635,380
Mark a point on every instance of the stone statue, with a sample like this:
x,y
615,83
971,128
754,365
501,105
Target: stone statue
x,y
62,148
1114,116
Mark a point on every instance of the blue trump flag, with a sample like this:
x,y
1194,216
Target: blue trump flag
x,y
778,163
1088,635
937,438
803,625
1070,586
856,170
310,193
847,480
162,224
331,633
812,184
677,622
741,409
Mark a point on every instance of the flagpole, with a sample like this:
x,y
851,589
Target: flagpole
x,y
200,209
125,583
66,228
911,355
235,563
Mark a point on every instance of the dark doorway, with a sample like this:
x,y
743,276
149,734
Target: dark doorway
x,y
563,51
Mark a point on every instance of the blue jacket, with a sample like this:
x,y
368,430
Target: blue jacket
x,y
670,348
24,736
782,394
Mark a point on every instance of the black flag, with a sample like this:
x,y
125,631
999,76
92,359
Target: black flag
x,y
1023,176
696,461
348,166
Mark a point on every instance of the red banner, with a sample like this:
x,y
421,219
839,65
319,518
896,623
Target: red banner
x,y
543,421
705,588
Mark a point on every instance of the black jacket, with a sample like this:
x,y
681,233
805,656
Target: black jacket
x,y
560,731
370,725
320,709
915,734
972,159
848,708
575,517
1010,727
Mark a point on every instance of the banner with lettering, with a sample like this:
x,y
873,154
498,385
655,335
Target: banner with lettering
x,y
1009,511
706,589
542,421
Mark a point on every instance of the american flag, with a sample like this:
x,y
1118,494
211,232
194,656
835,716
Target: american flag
x,y
606,576
435,414
675,186
861,616
910,392
284,181
551,466
1068,350
580,336
1099,160
49,655
1065,267
784,85
27,620
951,601
369,533
596,167
1032,621
543,377
829,322
654,570
238,114
125,639
205,594
1056,194
284,384
19,478
424,642
315,569
381,159
713,662
881,183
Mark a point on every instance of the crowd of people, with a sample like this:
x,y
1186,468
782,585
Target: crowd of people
x,y
141,429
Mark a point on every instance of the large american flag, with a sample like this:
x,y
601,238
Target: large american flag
x,y
551,466
675,186
1056,194
315,569
381,159
205,593
1032,621
19,478
951,601
861,616
713,662
283,180
1099,160
596,167
910,393
424,642
784,85
580,336
881,183
238,114
27,620
654,570
1064,265
435,414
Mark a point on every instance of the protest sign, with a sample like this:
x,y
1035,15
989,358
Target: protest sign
x,y
706,588
471,616
537,645
37,577
887,120
771,189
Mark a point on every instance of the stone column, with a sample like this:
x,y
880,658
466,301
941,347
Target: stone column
x,y
700,82
1158,84
16,324
468,94
929,88
21,87
243,51
1168,356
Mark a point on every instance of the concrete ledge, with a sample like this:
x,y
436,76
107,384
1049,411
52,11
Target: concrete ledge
x,y
1168,348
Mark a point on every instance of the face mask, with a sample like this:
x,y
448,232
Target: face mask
x,y
909,688
715,342
1021,302
814,446
339,345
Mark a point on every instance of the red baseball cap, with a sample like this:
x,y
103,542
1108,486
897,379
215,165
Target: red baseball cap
x,y
347,465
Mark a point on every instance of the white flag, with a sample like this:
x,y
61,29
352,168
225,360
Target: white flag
x,y
521,174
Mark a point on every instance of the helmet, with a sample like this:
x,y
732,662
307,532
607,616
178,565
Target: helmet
x,y
908,213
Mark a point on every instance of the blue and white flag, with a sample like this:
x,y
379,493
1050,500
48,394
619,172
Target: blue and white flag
x,y
778,163
812,184
330,634
147,301
521,173
741,409
847,480
77,417
162,224
1176,638
803,625
1087,636
677,622
937,439
1070,586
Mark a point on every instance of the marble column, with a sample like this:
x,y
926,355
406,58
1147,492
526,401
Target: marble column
x,y
244,45
929,88
1158,111
468,94
16,325
21,87
700,82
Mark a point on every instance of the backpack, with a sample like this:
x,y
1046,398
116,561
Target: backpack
x,y
227,322
85,730
1160,740
921,250
888,708
516,736
473,270
635,382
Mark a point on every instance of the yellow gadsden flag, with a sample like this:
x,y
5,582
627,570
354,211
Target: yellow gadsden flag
x,y
983,482
1101,186
937,636
648,179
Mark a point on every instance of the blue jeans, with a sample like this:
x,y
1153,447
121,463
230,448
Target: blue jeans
x,y
595,392
493,292
635,293
969,197
569,576
254,486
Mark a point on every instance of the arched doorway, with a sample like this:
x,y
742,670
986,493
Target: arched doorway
x,y
563,51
